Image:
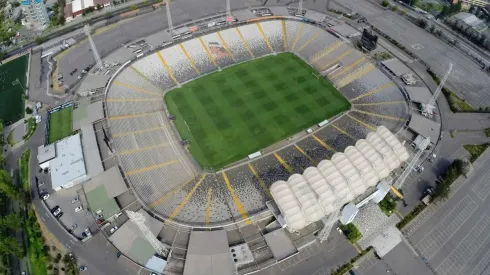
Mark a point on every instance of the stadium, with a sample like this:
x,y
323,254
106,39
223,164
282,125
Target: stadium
x,y
188,164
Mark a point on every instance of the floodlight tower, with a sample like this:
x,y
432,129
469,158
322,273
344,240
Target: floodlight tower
x,y
139,220
328,224
169,18
228,8
439,88
411,165
327,5
98,61
300,7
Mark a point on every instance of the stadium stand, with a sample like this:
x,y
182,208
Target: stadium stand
x,y
165,177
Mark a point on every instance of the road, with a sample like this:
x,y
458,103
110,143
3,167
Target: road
x,y
97,254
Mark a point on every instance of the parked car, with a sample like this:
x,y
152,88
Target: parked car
x,y
76,199
78,209
339,230
59,215
55,209
45,196
113,229
83,268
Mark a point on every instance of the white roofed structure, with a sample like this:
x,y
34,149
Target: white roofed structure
x,y
288,204
306,197
325,192
350,173
374,157
363,165
384,149
322,190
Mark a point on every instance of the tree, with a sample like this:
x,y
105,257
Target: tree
x,y
6,185
465,166
385,3
422,23
133,7
395,8
28,110
10,246
11,221
432,28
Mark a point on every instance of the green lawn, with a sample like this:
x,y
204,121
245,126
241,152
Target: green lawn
x,y
60,124
12,96
230,114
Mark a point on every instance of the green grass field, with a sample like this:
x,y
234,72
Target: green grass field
x,y
230,114
12,96
60,124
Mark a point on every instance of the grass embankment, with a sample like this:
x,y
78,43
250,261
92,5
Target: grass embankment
x,y
351,232
36,249
456,103
476,150
230,114
31,128
387,205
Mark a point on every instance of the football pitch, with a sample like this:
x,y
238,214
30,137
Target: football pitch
x,y
60,124
230,114
12,79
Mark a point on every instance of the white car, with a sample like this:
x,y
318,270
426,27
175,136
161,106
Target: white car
x,y
57,211
339,230
45,196
78,209
75,200
113,229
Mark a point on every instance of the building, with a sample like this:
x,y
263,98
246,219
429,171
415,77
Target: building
x,y
35,12
468,21
68,166
79,6
479,3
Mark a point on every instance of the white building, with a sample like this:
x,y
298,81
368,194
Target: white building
x,y
35,12
319,191
68,166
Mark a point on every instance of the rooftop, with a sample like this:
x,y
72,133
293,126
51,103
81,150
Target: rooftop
x,y
419,94
46,153
69,164
208,254
91,151
87,113
396,66
111,180
425,127
94,81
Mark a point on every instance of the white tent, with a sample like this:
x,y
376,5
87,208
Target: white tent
x,y
321,190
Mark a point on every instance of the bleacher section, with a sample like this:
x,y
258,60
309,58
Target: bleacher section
x,y
165,177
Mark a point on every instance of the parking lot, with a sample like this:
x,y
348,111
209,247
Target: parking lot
x,y
453,237
68,200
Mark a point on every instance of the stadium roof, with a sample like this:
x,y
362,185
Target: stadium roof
x,y
68,166
419,94
315,16
46,153
307,198
243,15
98,198
130,241
87,113
208,254
280,244
425,127
279,10
111,180
396,67
91,151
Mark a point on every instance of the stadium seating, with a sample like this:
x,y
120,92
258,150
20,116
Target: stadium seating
x,y
162,173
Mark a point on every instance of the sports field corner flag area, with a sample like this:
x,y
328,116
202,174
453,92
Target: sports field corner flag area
x,y
232,113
